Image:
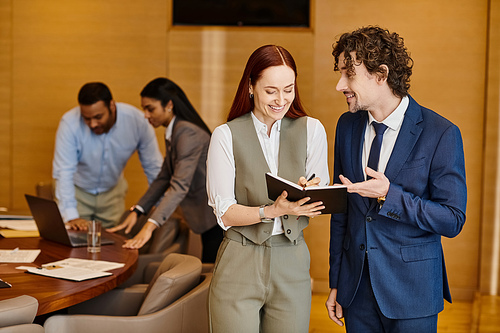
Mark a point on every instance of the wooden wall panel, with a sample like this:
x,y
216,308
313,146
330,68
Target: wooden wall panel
x,y
490,247
5,102
211,92
59,46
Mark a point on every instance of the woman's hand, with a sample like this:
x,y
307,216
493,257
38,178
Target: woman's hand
x,y
141,238
283,207
305,183
128,223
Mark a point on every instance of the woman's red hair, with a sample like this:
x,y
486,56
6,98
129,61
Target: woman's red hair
x,y
262,58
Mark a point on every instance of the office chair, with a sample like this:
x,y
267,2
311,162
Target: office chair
x,y
17,314
174,301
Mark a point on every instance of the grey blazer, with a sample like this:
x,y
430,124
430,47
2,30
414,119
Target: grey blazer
x,y
182,179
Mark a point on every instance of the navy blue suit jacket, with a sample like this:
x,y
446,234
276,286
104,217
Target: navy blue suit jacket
x,y
426,200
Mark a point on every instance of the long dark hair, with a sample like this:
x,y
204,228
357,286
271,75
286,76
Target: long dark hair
x,y
164,90
262,58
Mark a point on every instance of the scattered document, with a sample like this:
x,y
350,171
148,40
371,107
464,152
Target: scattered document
x,y
9,233
67,273
15,217
24,225
93,265
18,227
76,269
16,255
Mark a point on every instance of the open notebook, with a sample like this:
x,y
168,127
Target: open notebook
x,y
334,197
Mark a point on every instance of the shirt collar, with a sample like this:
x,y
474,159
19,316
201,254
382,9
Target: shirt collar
x,y
260,126
168,131
395,119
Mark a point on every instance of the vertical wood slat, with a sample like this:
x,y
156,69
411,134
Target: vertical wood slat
x,y
5,103
490,238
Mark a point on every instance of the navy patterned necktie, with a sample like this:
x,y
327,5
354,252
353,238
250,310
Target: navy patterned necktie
x,y
376,144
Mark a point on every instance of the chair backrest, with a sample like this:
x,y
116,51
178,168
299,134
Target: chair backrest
x,y
177,274
25,328
187,314
18,310
190,312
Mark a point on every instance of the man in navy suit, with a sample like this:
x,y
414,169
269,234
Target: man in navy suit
x,y
387,270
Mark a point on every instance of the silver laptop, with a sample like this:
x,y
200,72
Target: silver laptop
x,y
51,226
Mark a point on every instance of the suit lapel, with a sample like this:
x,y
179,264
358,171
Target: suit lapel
x,y
169,148
407,137
358,137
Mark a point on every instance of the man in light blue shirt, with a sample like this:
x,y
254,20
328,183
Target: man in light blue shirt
x,y
94,141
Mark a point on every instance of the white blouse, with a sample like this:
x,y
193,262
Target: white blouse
x,y
221,168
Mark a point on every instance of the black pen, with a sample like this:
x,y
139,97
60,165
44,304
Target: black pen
x,y
48,267
312,177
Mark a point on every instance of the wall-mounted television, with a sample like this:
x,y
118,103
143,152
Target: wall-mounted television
x,y
269,13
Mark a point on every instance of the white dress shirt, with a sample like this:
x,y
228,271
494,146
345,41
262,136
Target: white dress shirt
x,y
221,167
393,123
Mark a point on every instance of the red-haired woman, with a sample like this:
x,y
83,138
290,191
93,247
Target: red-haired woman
x,y
261,278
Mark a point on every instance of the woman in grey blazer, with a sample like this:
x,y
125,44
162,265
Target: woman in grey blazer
x,y
182,179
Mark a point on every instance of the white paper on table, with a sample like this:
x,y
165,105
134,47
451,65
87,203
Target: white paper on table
x,y
95,265
15,217
67,273
17,255
23,225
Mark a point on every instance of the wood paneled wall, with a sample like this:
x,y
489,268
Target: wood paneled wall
x,y
52,48
490,247
57,46
5,103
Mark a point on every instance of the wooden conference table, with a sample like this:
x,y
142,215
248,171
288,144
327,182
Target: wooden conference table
x,y
56,294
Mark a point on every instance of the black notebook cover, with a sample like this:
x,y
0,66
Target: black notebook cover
x,y
334,197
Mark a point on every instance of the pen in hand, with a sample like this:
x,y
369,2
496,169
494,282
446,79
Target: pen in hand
x,y
304,185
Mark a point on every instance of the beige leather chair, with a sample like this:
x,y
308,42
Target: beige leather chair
x,y
148,263
174,301
186,242
17,314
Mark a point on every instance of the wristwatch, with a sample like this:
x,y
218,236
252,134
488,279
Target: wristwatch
x,y
136,210
262,215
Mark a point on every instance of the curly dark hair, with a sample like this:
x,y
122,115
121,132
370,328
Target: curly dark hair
x,y
374,47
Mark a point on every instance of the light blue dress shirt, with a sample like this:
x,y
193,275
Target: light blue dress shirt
x,y
95,163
